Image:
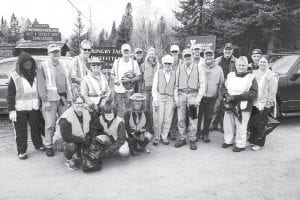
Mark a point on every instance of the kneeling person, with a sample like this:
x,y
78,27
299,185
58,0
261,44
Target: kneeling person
x,y
73,125
138,125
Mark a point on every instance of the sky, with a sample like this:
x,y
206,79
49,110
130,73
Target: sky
x,y
60,14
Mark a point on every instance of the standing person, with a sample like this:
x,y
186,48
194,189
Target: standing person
x,y
267,89
239,92
138,125
163,100
214,79
255,56
54,90
73,125
78,68
94,86
125,73
149,67
189,89
227,62
197,54
23,104
139,57
175,52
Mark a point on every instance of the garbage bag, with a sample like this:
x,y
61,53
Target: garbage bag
x,y
270,125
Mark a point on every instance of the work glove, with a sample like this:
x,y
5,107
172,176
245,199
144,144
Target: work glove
x,y
13,116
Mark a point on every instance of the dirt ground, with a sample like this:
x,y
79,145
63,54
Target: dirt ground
x,y
210,172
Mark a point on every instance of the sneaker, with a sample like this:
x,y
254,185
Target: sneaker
x,y
146,150
49,152
22,156
255,147
180,143
206,139
155,141
193,145
224,145
237,149
41,148
71,165
165,141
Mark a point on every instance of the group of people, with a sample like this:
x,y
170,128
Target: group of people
x,y
181,98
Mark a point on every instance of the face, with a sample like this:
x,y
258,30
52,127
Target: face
x,y
137,105
197,52
263,64
54,55
209,59
139,55
241,66
228,53
85,50
109,116
168,67
187,59
126,53
78,105
175,54
95,68
27,65
255,58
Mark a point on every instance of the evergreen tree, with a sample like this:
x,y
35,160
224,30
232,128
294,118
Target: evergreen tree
x,y
14,29
112,37
102,39
76,37
35,21
4,30
124,31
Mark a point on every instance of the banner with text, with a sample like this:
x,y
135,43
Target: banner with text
x,y
205,42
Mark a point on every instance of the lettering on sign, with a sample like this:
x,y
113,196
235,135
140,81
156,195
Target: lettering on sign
x,y
205,42
107,54
42,32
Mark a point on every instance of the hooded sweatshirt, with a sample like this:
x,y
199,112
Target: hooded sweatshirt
x,y
28,75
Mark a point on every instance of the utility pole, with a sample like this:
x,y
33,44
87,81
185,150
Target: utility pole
x,y
91,24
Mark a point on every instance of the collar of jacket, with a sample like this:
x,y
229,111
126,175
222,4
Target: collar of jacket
x,y
242,74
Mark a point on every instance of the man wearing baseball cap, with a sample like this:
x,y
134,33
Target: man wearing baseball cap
x,y
227,63
189,90
54,90
196,54
255,56
214,79
163,100
125,73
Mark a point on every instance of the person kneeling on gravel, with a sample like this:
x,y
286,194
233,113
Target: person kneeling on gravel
x,y
71,130
138,125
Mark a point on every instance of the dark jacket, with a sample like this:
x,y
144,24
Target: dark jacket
x,y
29,76
228,65
129,129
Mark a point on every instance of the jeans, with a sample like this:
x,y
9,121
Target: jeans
x,y
33,117
233,127
50,117
148,104
206,109
186,130
122,102
162,117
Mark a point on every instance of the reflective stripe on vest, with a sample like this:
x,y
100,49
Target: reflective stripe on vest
x,y
140,125
188,82
26,95
95,87
50,75
163,87
239,85
113,129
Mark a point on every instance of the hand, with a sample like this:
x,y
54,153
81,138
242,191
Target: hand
x,y
48,106
13,116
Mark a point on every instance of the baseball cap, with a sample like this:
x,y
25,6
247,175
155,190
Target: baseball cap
x,y
53,47
174,48
136,50
256,51
125,47
95,60
138,97
228,46
187,52
167,59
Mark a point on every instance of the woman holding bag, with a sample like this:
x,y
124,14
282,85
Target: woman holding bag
x,y
267,89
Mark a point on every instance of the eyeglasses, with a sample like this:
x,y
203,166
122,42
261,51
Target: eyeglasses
x,y
95,65
167,63
187,56
79,103
88,50
139,52
174,51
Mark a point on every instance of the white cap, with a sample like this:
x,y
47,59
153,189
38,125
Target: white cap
x,y
53,47
174,48
125,47
167,59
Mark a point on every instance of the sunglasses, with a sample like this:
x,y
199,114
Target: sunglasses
x,y
174,51
139,52
187,56
167,63
79,103
88,50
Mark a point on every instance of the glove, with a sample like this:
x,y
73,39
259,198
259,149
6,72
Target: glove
x,y
105,154
13,116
